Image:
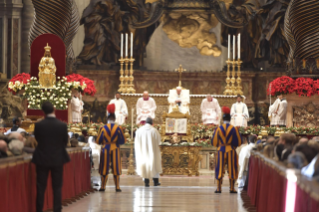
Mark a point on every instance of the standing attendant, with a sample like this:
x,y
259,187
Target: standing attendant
x,y
50,155
145,107
226,138
77,108
111,136
210,110
239,113
278,112
120,109
148,153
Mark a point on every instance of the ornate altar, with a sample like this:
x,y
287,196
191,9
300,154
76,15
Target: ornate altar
x,y
180,160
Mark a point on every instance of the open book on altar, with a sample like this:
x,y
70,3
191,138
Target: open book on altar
x,y
176,125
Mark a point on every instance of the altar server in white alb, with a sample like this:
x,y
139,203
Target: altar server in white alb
x,y
278,112
211,111
120,109
147,153
77,108
179,97
145,107
239,113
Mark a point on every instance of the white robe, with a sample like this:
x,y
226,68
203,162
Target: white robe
x,y
147,152
239,114
278,112
120,110
96,150
77,107
145,109
210,111
183,97
243,163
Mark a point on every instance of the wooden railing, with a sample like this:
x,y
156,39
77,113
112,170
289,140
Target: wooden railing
x,y
272,187
18,182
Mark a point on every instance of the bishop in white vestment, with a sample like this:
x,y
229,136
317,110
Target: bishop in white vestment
x,y
211,111
145,107
77,108
239,113
148,153
278,112
179,97
120,109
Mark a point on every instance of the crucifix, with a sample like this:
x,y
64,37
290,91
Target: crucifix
x,y
180,70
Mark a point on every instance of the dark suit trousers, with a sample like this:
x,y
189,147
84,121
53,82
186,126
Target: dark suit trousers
x,y
42,179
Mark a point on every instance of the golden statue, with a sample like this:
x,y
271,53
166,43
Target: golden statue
x,y
47,69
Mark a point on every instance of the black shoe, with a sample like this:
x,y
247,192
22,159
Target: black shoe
x,y
218,192
156,182
101,189
147,182
118,190
233,192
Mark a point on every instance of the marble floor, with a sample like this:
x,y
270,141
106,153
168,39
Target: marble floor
x,y
175,194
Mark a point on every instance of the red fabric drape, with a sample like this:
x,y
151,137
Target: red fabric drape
x,y
4,188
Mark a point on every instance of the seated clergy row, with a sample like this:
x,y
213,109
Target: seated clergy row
x,y
180,98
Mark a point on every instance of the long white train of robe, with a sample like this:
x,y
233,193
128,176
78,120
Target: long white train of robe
x,y
147,152
279,113
210,111
239,114
183,97
145,109
77,107
120,110
243,163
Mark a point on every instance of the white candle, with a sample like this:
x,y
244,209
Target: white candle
x,y
131,44
126,45
238,46
234,46
121,45
228,46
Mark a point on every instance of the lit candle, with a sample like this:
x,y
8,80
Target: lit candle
x,y
131,44
228,46
238,46
126,45
234,46
121,45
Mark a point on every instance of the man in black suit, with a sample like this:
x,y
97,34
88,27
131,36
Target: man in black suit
x,y
50,155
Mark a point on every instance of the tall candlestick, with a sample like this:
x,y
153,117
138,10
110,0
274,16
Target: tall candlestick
x,y
228,46
126,45
121,45
234,46
238,46
131,44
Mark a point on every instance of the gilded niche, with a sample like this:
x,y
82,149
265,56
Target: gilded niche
x,y
190,29
306,116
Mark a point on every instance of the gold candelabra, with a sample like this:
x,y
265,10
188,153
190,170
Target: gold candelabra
x,y
233,89
126,76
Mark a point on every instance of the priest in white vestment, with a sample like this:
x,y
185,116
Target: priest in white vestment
x,y
211,111
239,113
120,109
179,98
243,160
278,112
148,153
145,107
77,108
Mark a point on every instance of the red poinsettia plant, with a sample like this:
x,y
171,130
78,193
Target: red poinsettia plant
x,y
281,85
81,83
18,82
304,86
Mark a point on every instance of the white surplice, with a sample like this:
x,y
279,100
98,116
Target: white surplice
x,y
145,109
96,150
147,152
77,107
120,110
278,112
239,114
243,163
210,111
183,97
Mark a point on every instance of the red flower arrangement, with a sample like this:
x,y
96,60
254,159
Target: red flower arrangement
x,y
18,82
281,85
85,85
304,86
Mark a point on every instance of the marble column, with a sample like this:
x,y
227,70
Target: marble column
x,y
27,19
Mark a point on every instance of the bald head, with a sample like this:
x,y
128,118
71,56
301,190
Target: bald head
x,y
145,95
3,146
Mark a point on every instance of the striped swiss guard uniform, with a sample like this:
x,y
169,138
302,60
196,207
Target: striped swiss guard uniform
x,y
110,137
226,137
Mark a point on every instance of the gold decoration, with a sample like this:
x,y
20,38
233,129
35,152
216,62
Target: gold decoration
x,y
228,90
126,76
130,86
180,160
180,70
121,86
306,116
233,89
47,69
239,89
